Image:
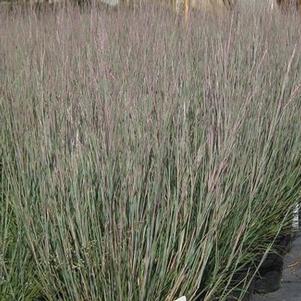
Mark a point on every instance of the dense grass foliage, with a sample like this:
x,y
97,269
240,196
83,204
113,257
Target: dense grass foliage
x,y
142,158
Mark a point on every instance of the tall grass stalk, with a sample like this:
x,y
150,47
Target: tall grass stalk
x,y
142,159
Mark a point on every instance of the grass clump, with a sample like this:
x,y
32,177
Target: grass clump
x,y
142,159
